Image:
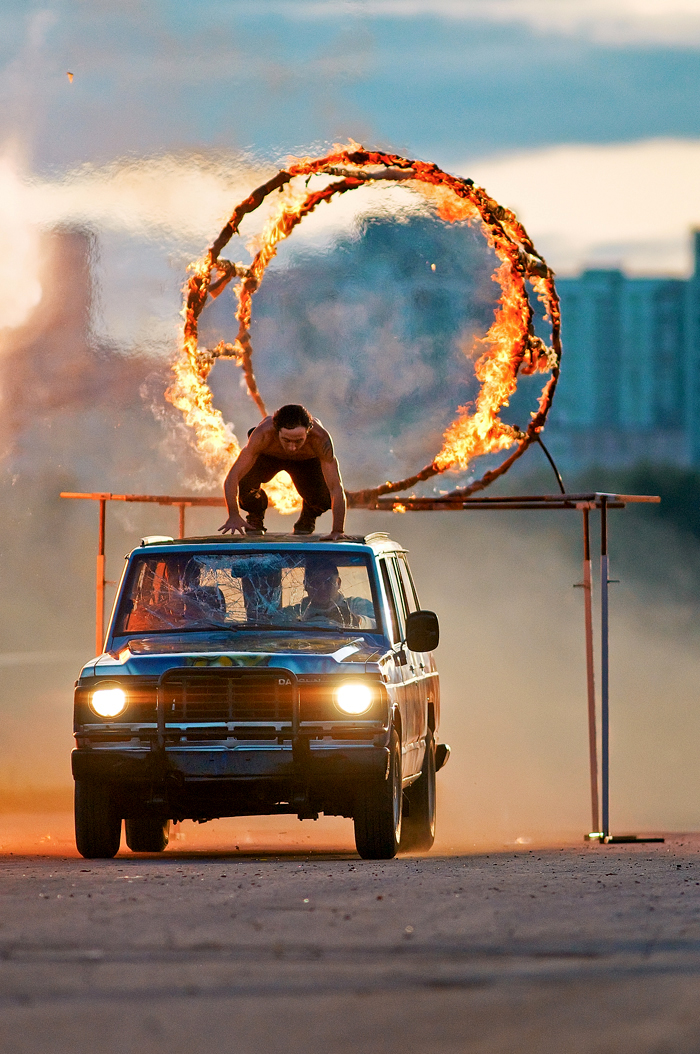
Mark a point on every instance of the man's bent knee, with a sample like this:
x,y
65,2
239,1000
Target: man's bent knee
x,y
252,500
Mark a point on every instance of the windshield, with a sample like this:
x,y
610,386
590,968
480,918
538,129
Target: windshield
x,y
246,590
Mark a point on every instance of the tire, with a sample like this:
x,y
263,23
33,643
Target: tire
x,y
378,809
147,835
418,828
98,825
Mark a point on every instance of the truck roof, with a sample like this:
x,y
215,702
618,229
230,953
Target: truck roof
x,y
379,541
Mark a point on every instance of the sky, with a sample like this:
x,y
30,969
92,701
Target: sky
x,y
511,89
580,114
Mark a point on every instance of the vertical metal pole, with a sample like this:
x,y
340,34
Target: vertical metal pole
x,y
100,582
181,509
604,684
590,670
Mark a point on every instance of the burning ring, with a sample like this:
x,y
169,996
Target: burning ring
x,y
511,346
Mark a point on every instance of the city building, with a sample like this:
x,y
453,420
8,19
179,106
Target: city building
x,y
630,382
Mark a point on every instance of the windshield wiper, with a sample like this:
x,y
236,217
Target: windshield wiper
x,y
231,626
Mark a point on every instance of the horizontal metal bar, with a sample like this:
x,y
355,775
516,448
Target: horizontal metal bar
x,y
445,502
155,499
528,501
590,496
427,505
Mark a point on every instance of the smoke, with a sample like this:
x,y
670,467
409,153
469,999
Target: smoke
x,y
511,657
512,667
511,661
171,204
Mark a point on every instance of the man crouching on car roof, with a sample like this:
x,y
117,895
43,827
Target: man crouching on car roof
x,y
291,441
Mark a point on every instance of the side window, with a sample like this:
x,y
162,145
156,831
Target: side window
x,y
408,586
400,599
394,629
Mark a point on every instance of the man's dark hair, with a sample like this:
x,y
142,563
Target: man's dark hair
x,y
318,568
293,415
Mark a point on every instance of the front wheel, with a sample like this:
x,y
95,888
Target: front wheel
x,y
378,809
418,830
147,835
98,825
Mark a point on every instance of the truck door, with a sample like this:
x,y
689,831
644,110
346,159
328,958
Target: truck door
x,y
400,683
413,709
426,673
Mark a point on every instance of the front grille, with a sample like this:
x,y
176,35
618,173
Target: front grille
x,y
228,699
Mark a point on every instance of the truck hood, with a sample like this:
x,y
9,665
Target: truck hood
x,y
302,654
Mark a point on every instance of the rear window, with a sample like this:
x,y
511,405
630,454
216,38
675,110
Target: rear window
x,y
247,590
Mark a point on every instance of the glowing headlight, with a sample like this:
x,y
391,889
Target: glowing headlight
x,y
353,698
108,702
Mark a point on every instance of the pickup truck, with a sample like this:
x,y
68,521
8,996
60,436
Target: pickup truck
x,y
254,675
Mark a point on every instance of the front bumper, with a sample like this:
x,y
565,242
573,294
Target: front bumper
x,y
242,762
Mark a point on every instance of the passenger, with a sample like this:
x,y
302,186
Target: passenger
x,y
291,441
200,603
324,601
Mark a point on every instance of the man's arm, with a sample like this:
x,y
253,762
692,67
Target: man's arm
x,y
241,466
331,474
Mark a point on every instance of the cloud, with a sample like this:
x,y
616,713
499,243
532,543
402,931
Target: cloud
x,y
627,22
621,204
179,202
152,216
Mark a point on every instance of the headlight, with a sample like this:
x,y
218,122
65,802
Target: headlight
x,y
109,701
353,698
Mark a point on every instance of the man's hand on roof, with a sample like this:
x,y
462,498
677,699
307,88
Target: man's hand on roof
x,y
335,536
234,523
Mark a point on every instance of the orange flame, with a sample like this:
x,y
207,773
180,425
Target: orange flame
x,y
511,345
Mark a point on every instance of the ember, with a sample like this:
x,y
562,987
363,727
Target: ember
x,y
510,345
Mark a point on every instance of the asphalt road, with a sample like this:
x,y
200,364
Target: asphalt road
x,y
547,950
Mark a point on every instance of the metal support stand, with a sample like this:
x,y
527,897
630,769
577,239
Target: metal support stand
x,y
603,836
100,581
604,668
590,670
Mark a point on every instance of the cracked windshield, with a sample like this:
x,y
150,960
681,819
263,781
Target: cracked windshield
x,y
271,590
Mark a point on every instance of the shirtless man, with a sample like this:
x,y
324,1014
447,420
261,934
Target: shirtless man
x,y
293,441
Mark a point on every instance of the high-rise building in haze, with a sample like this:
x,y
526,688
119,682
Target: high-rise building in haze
x,y
630,382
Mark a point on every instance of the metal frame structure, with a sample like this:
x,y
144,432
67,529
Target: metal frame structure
x,y
585,503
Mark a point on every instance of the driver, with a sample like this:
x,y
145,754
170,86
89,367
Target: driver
x,y
324,601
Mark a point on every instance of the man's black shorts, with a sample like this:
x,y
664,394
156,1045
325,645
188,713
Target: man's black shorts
x,y
307,477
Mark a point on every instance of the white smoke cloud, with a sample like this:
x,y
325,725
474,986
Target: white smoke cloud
x,y
178,203
621,204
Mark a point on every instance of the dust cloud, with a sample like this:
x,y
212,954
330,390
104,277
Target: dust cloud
x,y
77,414
513,691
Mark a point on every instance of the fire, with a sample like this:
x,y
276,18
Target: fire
x,y
511,346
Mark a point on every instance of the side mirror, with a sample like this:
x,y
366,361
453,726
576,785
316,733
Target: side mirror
x,y
422,631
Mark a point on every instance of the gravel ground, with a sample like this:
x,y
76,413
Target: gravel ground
x,y
585,948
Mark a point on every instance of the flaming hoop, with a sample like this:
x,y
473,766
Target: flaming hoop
x,y
511,346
